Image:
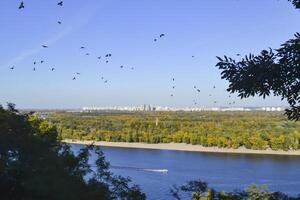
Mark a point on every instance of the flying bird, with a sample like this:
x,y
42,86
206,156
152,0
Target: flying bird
x,y
21,6
44,46
60,3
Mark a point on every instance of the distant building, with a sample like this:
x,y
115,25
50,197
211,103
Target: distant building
x,y
149,108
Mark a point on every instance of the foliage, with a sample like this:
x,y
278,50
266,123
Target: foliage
x,y
199,190
274,72
33,165
253,130
296,3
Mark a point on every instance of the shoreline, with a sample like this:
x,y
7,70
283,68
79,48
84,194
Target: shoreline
x,y
183,147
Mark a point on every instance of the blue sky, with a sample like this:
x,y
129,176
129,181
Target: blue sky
x,y
126,29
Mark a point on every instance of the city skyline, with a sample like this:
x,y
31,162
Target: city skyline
x,y
145,107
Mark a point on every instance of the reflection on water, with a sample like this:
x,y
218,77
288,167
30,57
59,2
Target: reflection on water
x,y
222,171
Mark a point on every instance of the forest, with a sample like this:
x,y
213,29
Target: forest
x,y
252,130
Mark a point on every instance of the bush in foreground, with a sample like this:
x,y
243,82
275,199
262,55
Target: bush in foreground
x,y
199,190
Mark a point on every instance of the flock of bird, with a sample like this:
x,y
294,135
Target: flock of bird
x,y
107,58
22,6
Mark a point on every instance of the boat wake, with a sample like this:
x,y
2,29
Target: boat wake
x,y
157,170
164,171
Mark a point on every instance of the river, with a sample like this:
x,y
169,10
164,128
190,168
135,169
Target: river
x,y
157,170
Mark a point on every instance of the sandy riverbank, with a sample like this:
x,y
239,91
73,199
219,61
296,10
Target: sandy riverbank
x,y
184,147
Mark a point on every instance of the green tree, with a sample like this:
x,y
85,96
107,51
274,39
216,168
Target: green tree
x,y
34,165
271,72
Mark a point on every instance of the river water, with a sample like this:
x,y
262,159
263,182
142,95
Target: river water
x,y
156,171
